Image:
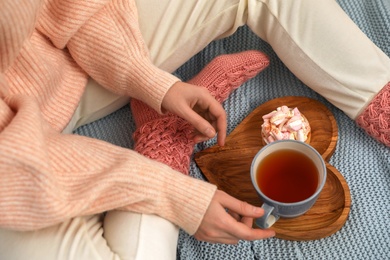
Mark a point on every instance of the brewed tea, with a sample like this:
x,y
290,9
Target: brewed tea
x,y
287,176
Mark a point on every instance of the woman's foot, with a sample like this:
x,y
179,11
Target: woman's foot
x,y
167,138
227,72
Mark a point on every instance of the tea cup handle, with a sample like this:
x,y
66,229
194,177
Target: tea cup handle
x,y
268,219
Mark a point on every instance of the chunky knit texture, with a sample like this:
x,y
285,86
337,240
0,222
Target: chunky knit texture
x,y
375,119
167,138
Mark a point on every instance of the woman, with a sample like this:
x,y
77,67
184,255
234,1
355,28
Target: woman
x,y
332,56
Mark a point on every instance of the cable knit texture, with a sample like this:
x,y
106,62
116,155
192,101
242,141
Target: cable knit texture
x,y
48,48
375,119
167,138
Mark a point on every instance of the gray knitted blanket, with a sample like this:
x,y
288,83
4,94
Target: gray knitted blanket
x,y
364,163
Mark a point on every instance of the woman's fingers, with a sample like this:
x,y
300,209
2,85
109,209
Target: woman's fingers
x,y
199,108
220,225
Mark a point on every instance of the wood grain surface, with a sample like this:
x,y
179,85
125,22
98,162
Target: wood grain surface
x,y
228,167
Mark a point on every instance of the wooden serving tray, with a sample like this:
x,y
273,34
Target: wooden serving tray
x,y
228,167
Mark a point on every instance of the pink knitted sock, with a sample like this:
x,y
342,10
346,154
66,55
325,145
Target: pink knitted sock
x,y
167,138
375,119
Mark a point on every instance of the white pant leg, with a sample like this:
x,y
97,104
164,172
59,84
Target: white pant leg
x,y
77,239
96,102
322,46
177,30
119,236
316,40
140,236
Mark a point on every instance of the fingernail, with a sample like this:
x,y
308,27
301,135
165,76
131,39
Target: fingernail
x,y
210,132
257,210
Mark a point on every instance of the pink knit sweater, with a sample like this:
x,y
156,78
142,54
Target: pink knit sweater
x,y
47,50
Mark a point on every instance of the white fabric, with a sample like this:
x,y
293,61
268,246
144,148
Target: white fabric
x,y
315,39
140,236
119,235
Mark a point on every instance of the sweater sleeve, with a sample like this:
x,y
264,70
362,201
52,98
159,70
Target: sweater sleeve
x,y
48,177
104,39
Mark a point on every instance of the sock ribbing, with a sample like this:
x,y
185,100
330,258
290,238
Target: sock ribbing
x,y
375,119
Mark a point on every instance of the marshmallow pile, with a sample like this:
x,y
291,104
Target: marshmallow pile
x,y
285,123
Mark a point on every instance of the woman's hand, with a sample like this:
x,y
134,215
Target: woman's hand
x,y
197,106
228,227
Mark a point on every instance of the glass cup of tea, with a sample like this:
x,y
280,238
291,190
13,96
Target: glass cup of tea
x,y
288,176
